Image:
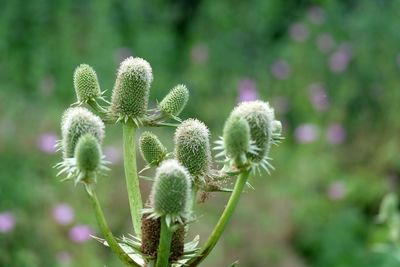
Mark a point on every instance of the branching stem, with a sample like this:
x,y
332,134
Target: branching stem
x,y
223,220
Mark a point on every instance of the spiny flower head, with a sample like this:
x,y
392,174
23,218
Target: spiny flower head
x,y
236,136
88,161
86,83
88,153
76,122
175,101
170,195
151,148
192,146
131,90
259,115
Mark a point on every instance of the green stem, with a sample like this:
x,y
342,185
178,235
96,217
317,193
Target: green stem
x,y
164,247
220,227
132,180
109,237
195,189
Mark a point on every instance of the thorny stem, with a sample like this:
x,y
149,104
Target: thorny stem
x,y
223,220
164,246
132,180
109,237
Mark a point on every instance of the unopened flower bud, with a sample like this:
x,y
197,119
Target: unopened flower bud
x,y
236,136
131,90
171,189
175,101
192,146
88,153
259,115
86,83
151,148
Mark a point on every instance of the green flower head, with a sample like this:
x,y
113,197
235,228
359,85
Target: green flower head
x,y
170,194
131,90
151,148
88,154
76,122
236,136
260,116
86,83
192,146
175,101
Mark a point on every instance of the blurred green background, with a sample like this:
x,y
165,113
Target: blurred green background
x,y
330,68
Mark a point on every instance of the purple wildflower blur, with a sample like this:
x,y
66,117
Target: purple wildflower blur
x,y
247,90
47,143
325,42
113,154
7,222
281,69
63,214
336,134
80,233
318,97
316,15
340,59
306,133
299,32
336,191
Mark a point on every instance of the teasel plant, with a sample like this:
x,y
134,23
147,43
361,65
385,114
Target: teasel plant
x,y
160,226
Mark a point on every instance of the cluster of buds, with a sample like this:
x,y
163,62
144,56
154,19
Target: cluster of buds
x,y
248,135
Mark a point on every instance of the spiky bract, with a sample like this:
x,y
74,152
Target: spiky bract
x,y
151,148
175,101
170,195
131,90
88,153
86,83
236,136
259,115
192,146
76,122
276,128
